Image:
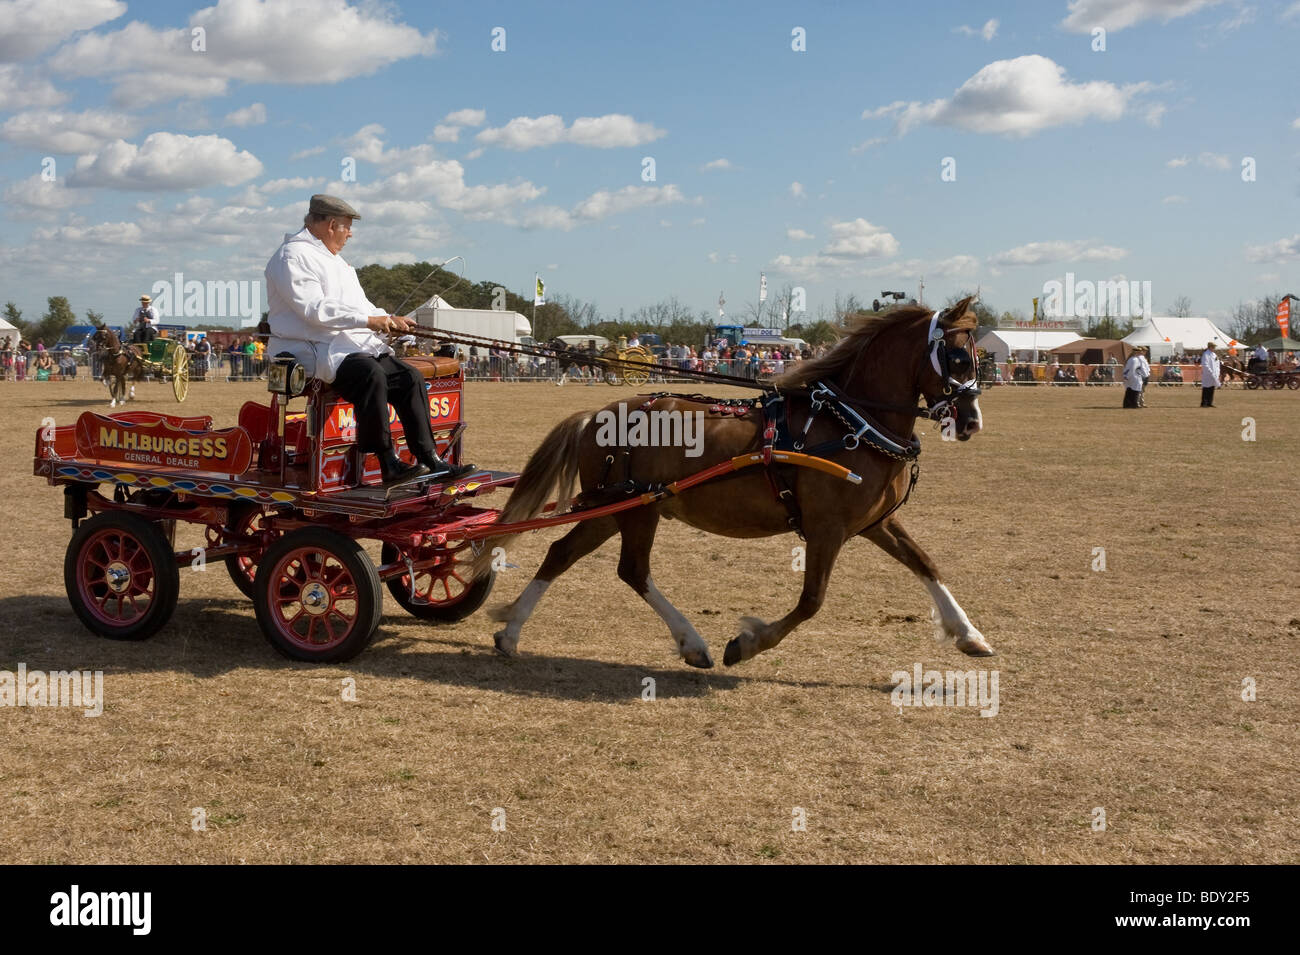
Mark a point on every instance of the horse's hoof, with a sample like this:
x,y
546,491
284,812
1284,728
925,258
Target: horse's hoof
x,y
974,645
699,658
504,646
731,656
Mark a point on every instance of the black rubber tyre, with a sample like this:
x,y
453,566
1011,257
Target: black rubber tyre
x,y
445,597
121,576
317,578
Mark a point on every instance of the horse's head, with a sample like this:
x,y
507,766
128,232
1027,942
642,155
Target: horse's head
x,y
947,377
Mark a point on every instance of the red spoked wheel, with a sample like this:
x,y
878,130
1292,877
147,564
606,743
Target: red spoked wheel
x,y
121,576
245,521
446,593
317,596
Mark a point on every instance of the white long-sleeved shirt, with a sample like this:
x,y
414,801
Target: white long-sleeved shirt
x,y
144,313
1136,372
316,307
1209,369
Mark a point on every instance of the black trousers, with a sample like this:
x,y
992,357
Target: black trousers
x,y
372,384
1207,397
1131,398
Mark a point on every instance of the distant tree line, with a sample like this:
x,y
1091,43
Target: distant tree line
x,y
51,325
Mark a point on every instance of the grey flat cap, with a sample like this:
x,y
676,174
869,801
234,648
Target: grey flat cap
x,y
331,206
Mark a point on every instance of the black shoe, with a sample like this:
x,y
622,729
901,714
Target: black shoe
x,y
394,470
443,469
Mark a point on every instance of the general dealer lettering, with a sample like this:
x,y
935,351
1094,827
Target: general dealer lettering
x,y
208,447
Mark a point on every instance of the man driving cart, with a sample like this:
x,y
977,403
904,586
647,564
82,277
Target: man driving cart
x,y
319,313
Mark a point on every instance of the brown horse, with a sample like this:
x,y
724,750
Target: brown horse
x,y
881,364
118,361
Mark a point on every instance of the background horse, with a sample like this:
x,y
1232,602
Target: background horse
x,y
882,363
118,361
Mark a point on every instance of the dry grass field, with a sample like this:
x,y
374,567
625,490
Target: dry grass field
x,y
1119,689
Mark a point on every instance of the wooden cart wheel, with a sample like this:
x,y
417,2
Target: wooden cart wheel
x,y
1275,383
1252,382
121,576
317,596
446,593
245,521
632,374
1293,382
180,372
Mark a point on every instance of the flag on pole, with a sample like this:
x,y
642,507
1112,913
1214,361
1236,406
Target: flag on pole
x,y
721,302
539,293
762,286
1284,317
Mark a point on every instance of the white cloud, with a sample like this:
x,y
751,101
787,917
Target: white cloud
x,y
858,238
1174,200
305,42
1295,123
446,134
796,190
1283,250
1016,97
851,243
1178,162
58,132
310,151
1116,15
106,233
1213,161
1155,113
1041,253
466,117
599,205
871,143
988,31
167,161
717,164
443,182
251,115
603,132
602,204
367,144
30,27
18,91
35,195
798,235
138,90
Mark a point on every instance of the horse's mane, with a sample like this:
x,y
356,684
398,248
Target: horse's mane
x,y
855,337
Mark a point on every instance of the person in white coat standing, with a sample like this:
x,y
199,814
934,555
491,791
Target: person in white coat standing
x,y
319,313
1136,372
1210,374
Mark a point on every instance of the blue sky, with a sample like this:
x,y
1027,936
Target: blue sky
x,y
821,167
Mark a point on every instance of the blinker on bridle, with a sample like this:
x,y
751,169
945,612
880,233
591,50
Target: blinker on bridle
x,y
946,362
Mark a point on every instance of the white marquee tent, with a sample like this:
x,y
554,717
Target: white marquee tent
x,y
8,331
1168,335
1022,342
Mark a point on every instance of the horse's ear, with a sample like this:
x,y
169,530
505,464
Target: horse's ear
x,y
956,310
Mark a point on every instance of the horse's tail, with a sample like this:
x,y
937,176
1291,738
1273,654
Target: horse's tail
x,y
553,465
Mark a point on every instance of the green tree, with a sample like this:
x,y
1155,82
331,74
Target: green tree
x,y
94,317
58,316
14,316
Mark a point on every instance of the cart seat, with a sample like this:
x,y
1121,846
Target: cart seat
x,y
434,366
